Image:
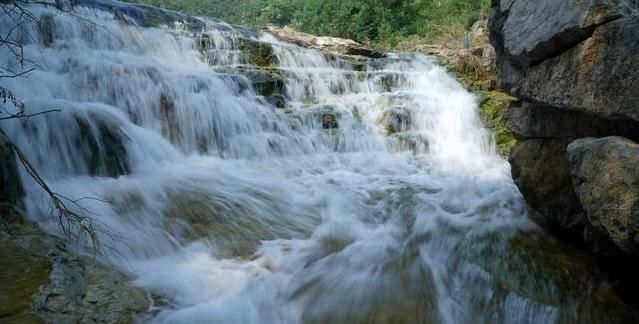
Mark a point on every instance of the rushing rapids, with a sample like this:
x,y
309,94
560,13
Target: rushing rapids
x,y
244,180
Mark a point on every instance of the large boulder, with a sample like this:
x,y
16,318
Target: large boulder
x,y
537,30
605,173
599,76
573,66
539,163
526,33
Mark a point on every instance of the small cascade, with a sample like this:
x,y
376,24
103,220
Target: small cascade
x,y
247,180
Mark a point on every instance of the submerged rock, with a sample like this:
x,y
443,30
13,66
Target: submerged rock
x,y
413,142
21,276
327,117
267,82
104,146
329,121
396,120
46,27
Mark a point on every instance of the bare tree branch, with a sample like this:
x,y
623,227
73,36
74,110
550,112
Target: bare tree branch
x,y
67,218
72,217
16,75
20,116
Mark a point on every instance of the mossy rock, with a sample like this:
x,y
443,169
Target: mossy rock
x,y
327,115
21,276
277,100
396,120
266,82
491,106
412,142
329,121
258,53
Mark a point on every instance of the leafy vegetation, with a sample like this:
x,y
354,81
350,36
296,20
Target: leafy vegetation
x,y
383,23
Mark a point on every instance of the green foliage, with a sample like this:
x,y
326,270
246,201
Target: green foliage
x,y
491,108
378,22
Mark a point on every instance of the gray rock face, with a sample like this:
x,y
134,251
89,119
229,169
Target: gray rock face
x,y
84,291
606,176
536,30
574,66
600,76
527,33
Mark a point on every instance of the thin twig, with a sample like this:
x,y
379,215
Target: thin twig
x,y
67,218
21,116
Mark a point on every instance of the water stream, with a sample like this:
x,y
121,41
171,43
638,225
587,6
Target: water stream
x,y
373,194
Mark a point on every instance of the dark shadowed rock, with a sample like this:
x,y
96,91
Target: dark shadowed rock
x,y
541,172
10,186
530,120
46,28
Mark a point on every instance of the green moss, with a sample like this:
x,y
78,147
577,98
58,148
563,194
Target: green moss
x,y
21,275
492,105
258,53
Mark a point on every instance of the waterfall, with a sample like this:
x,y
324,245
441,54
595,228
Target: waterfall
x,y
246,180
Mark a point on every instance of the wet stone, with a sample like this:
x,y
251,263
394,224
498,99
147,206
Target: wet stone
x,y
329,121
258,53
396,119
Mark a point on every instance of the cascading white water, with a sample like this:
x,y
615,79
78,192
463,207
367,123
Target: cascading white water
x,y
372,196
